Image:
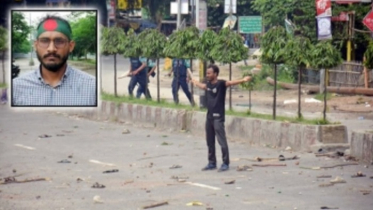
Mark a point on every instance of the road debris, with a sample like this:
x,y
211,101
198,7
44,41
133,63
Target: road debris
x,y
282,158
12,179
98,186
326,207
366,192
230,182
244,168
266,165
324,176
165,143
179,177
358,174
128,182
79,180
126,131
45,136
70,156
175,166
337,180
97,199
38,197
110,171
64,161
194,203
155,205
60,134
288,149
324,167
326,184
67,131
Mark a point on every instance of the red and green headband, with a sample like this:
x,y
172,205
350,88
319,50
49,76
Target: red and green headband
x,y
53,24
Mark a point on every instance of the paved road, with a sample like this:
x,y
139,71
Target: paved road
x,y
140,157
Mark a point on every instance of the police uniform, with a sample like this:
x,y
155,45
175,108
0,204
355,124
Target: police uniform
x,y
138,78
179,68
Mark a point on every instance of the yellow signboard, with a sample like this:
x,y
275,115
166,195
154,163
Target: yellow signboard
x,y
123,4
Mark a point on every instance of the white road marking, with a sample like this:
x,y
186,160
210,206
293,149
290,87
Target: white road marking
x,y
203,185
99,162
24,147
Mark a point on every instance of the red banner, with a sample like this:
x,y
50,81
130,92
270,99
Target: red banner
x,y
324,8
343,17
368,20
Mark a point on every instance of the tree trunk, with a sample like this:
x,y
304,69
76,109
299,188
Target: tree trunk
x,y
325,92
2,60
158,88
115,75
147,92
100,67
230,87
191,84
274,93
299,91
250,100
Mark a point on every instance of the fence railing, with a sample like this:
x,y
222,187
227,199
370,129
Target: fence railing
x,y
348,74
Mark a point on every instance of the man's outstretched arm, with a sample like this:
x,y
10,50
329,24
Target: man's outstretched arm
x,y
236,82
198,84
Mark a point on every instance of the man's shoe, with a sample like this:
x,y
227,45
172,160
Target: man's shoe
x,y
224,167
209,167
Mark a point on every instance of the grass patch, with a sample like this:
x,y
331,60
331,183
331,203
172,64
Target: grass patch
x,y
3,85
279,118
127,99
163,103
320,96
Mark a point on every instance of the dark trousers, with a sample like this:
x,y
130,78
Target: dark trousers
x,y
142,85
176,83
215,128
146,93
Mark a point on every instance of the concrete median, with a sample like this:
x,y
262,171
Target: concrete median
x,y
277,134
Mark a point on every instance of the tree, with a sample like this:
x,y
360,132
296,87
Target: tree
x,y
155,42
20,32
368,63
273,44
206,43
299,52
228,48
84,35
325,56
273,12
184,44
112,43
3,47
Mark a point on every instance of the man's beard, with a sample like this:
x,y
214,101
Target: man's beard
x,y
55,66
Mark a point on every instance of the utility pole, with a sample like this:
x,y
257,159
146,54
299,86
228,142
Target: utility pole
x,y
178,14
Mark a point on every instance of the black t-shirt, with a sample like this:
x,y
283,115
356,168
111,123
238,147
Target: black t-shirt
x,y
215,95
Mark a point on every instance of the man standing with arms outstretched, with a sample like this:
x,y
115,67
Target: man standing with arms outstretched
x,y
216,90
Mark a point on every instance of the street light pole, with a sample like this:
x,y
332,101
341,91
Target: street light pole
x,y
178,14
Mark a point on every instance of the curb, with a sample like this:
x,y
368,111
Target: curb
x,y
250,130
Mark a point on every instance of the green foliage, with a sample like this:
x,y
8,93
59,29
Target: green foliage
x,y
206,44
132,45
84,34
299,51
154,41
325,56
228,47
183,43
368,63
3,38
20,32
273,11
112,40
273,44
303,16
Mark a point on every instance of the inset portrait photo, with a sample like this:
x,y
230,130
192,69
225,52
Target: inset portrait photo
x,y
55,52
